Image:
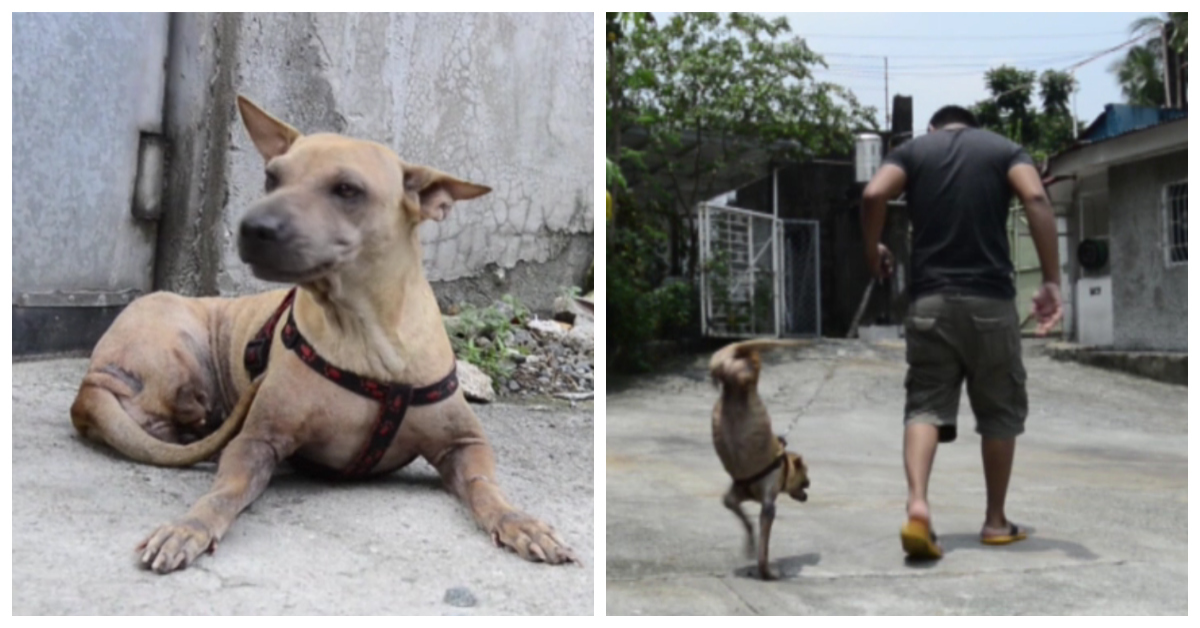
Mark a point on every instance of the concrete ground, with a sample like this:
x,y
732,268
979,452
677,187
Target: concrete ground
x,y
392,546
1100,476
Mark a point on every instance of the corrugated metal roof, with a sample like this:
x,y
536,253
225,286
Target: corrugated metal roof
x,y
1121,119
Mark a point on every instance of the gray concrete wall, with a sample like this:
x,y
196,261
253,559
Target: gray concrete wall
x,y
85,88
503,100
1149,298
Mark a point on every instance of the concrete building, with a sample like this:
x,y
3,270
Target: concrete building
x,y
134,169
1123,191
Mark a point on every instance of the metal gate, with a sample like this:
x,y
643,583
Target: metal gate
x,y
87,102
759,274
801,277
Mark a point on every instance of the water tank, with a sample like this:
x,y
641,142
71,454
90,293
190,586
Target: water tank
x,y
868,153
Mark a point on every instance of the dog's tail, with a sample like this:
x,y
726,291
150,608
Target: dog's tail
x,y
724,363
98,415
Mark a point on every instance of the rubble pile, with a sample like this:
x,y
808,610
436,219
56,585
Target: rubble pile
x,y
505,352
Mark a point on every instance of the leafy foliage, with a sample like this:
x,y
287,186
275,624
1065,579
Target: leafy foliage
x,y
731,83
482,336
687,99
1011,110
1140,71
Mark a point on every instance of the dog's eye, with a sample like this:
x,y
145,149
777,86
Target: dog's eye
x,y
347,191
271,183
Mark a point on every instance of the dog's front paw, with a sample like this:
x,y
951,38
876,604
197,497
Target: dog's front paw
x,y
532,539
176,545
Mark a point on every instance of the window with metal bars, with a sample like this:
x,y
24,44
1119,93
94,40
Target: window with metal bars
x,y
1175,223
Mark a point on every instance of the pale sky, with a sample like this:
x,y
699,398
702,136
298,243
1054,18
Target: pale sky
x,y
940,58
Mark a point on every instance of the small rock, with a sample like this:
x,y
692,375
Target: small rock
x,y
460,597
482,342
582,336
513,385
546,328
571,309
522,338
476,385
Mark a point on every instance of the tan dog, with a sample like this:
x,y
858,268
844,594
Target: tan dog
x,y
755,458
339,218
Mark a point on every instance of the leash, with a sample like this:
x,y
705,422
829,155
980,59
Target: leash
x,y
816,393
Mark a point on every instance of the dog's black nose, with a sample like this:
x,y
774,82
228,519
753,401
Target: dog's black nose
x,y
264,228
805,485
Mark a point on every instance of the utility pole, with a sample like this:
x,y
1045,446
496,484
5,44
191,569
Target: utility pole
x,y
1167,74
1074,106
887,112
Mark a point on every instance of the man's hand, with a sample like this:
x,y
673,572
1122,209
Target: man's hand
x,y
880,262
1047,307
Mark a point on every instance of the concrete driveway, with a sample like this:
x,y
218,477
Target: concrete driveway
x,y
1101,477
393,546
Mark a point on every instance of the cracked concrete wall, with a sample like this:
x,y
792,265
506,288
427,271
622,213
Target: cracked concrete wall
x,y
503,100
1149,297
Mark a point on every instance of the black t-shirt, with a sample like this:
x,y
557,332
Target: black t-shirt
x,y
958,196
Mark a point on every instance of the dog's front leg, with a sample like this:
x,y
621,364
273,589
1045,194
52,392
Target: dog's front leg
x,y
469,470
765,519
242,474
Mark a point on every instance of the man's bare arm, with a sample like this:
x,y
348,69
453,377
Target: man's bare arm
x,y
1027,185
886,185
1047,302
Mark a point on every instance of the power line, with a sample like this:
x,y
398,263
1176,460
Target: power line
x,y
861,55
1071,68
964,37
993,60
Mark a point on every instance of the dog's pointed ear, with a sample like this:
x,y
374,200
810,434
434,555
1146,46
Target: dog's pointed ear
x,y
272,137
436,191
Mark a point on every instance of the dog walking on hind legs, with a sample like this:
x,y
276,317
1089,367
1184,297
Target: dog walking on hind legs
x,y
755,458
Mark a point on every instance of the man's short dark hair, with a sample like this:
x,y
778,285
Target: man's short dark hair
x,y
953,114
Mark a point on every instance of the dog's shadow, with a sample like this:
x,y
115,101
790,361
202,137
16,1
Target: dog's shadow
x,y
786,568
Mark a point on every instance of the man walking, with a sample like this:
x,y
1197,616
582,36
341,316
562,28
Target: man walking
x,y
962,322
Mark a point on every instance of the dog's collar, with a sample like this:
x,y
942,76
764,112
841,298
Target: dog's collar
x,y
394,398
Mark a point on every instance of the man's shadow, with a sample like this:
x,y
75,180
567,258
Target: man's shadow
x,y
1031,544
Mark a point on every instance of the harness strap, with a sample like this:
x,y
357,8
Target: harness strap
x,y
258,350
779,460
394,399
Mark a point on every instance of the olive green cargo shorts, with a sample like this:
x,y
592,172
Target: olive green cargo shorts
x,y
955,337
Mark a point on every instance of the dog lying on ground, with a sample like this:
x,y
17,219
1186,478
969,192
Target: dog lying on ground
x,y
350,374
754,457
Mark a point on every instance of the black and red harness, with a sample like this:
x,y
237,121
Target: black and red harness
x,y
779,460
394,399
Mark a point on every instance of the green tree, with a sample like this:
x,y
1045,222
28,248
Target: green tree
x,y
1140,71
1012,93
1179,41
702,90
1011,110
1056,89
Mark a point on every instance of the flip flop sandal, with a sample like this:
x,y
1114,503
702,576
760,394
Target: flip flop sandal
x,y
919,541
1014,534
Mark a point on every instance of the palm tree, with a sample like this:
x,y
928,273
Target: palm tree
x,y
1056,88
1140,72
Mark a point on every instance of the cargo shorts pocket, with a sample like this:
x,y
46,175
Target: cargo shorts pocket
x,y
998,341
919,335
